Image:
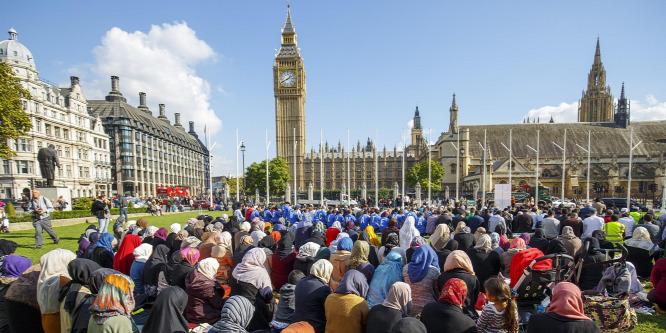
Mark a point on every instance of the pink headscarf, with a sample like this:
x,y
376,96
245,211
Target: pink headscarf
x,y
567,301
518,243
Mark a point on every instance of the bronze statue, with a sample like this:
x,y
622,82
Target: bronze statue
x,y
48,161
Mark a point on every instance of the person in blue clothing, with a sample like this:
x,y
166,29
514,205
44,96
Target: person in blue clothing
x,y
330,219
255,213
475,221
340,218
275,215
268,216
383,223
420,223
364,220
350,217
376,221
320,215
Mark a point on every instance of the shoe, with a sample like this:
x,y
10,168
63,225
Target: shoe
x,y
56,241
37,247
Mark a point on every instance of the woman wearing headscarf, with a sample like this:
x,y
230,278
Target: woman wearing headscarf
x,y
12,268
421,274
182,263
485,261
407,233
392,228
416,242
517,245
72,293
236,315
394,307
305,257
526,237
149,234
459,266
141,255
641,251
388,273
166,314
141,226
52,278
390,243
465,238
206,247
374,240
267,244
175,228
339,260
334,244
23,312
603,242
222,252
257,236
84,240
204,294
154,278
440,237
350,229
504,243
244,230
539,240
555,246
346,308
446,314
494,243
285,310
283,261
111,310
373,256
590,276
159,237
565,313
311,293
332,233
122,261
359,255
571,242
253,282
81,314
103,251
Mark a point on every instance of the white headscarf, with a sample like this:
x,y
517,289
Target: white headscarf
x,y
337,225
224,238
175,228
142,252
245,226
190,241
640,239
257,236
308,250
484,243
322,269
251,269
408,232
208,267
53,264
150,231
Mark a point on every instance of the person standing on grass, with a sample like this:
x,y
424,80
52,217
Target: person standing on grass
x,y
123,204
100,209
40,207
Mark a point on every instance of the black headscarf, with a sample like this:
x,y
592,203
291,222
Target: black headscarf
x,y
154,265
80,270
451,245
409,325
392,241
556,246
364,236
81,315
601,237
93,238
539,240
172,243
7,247
593,246
284,246
167,312
232,224
267,242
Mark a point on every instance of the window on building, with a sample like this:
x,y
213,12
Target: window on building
x,y
38,126
22,167
6,168
67,152
48,129
69,170
80,153
56,131
65,134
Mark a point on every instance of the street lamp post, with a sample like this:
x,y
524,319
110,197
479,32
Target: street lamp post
x,y
536,172
429,166
376,166
564,161
295,172
268,144
483,147
631,155
321,167
510,156
237,173
348,170
588,150
242,148
404,151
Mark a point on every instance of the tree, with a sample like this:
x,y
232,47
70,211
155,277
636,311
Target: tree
x,y
232,186
419,173
9,209
14,122
278,176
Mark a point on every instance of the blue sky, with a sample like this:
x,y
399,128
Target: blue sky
x,y
368,63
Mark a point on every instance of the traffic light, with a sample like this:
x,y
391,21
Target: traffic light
x,y
653,187
641,187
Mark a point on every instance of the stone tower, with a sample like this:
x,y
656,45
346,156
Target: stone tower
x,y
289,89
453,122
417,130
622,113
596,104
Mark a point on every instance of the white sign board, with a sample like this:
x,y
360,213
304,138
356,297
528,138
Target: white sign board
x,y
502,195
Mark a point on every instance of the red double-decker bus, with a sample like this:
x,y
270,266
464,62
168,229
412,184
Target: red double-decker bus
x,y
176,191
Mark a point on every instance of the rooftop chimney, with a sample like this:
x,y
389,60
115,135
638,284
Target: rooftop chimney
x,y
163,113
74,80
177,121
142,103
192,132
115,95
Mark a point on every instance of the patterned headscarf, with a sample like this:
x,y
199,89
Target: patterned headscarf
x,y
318,226
190,254
359,254
454,292
236,315
115,298
518,243
417,241
504,243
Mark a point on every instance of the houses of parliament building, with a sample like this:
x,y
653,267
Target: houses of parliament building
x,y
603,122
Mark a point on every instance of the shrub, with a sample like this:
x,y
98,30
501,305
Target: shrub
x,y
130,205
9,209
83,204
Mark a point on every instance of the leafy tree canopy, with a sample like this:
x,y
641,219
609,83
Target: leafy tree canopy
x,y
14,122
419,174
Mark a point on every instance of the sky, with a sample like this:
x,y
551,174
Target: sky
x,y
368,63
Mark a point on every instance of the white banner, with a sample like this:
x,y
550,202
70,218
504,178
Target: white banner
x,y
502,195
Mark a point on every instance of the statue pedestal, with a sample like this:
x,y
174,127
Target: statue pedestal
x,y
53,193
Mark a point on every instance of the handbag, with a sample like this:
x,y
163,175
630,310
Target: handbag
x,y
611,314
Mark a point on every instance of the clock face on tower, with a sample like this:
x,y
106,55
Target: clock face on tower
x,y
287,78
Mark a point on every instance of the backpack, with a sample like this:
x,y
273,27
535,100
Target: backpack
x,y
611,314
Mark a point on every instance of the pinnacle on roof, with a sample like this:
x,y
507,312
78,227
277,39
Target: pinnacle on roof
x,y
454,106
288,27
622,94
597,53
551,119
13,35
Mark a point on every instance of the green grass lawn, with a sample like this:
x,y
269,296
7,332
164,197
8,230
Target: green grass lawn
x,y
69,235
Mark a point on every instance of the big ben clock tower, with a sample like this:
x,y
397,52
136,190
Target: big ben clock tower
x,y
289,88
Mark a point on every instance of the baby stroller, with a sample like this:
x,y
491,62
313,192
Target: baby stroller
x,y
537,280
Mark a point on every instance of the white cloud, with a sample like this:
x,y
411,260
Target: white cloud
x,y
410,123
650,108
160,63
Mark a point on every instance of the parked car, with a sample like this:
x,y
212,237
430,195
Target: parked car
x,y
201,204
138,203
622,203
566,204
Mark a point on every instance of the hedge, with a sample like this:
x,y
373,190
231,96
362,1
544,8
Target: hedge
x,y
59,215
